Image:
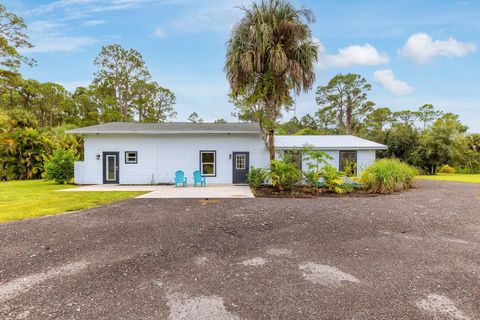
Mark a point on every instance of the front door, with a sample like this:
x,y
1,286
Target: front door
x,y
240,167
110,167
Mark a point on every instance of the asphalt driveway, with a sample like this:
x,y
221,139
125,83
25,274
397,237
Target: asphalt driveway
x,y
414,255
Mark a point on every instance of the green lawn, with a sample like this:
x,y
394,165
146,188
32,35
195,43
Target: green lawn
x,y
471,178
35,198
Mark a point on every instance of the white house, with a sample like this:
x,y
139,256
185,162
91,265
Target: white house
x,y
151,153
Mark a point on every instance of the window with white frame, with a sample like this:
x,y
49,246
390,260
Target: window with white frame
x,y
131,157
208,163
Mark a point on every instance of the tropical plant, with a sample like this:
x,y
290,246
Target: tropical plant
x,y
23,152
332,180
284,175
315,160
388,175
59,166
271,53
256,177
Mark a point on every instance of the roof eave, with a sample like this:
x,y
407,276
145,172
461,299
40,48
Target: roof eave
x,y
335,148
75,131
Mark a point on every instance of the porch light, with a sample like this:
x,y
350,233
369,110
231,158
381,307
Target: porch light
x,y
98,157
230,156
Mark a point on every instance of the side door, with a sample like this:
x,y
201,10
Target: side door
x,y
111,171
240,163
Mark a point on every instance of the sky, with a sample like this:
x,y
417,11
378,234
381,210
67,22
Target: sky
x,y
412,51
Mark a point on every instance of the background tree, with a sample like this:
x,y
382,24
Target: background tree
x,y
346,94
12,38
440,144
153,103
326,119
195,118
119,70
220,120
270,54
427,114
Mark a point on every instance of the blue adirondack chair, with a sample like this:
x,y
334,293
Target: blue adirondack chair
x,y
197,178
180,178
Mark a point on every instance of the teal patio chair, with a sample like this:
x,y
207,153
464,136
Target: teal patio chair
x,y
197,178
180,178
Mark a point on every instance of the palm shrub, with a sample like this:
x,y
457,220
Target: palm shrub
x,y
59,167
256,177
332,180
387,176
284,175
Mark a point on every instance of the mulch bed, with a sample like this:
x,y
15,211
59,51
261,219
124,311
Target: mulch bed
x,y
305,192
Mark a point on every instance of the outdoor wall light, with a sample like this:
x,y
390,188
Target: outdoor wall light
x,y
230,156
98,157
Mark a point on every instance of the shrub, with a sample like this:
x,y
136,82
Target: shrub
x,y
332,180
315,160
446,169
388,175
256,177
59,167
284,175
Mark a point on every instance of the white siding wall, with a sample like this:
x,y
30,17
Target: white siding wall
x,y
159,156
79,172
364,159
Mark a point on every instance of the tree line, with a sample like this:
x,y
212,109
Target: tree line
x,y
34,115
426,137
271,57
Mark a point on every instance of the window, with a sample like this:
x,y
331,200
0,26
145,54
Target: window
x,y
293,157
240,161
348,162
208,163
131,157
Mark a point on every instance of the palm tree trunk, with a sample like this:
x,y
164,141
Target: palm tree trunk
x,y
271,144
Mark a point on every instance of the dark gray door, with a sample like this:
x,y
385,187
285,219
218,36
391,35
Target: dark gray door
x,y
110,167
240,162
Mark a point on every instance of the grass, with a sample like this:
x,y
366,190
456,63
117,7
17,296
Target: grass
x,y
470,178
34,198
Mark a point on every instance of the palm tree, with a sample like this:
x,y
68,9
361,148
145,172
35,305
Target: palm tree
x,y
270,55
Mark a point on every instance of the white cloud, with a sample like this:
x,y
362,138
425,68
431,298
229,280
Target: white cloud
x,y
159,33
392,84
94,23
48,36
220,18
421,48
366,55
81,8
52,43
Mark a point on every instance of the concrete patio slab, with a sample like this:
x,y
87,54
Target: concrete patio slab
x,y
172,192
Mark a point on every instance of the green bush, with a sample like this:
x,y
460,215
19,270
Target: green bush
x,y
446,169
388,175
256,177
333,180
59,167
284,175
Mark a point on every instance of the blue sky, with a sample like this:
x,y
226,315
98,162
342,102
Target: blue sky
x,y
413,52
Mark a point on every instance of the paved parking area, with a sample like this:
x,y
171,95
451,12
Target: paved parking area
x,y
414,255
171,192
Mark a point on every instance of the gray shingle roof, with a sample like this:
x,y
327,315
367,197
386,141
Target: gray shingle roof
x,y
169,127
